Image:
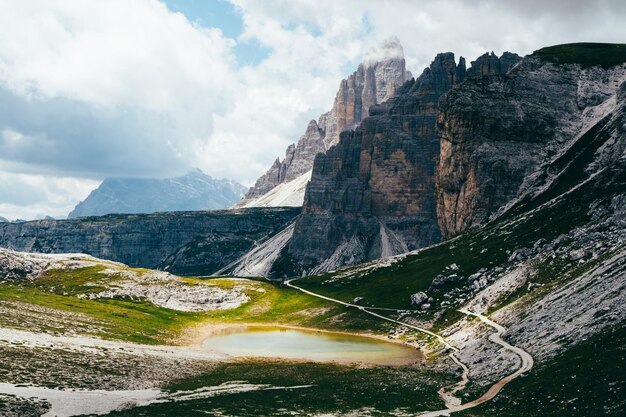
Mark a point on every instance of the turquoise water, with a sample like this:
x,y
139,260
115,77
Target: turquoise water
x,y
276,342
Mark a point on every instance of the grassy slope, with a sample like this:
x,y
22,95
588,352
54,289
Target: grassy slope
x,y
336,389
132,321
586,380
283,305
587,55
141,322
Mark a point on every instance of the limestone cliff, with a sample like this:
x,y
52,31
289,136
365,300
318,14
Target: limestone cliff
x,y
375,80
448,152
373,193
185,243
497,128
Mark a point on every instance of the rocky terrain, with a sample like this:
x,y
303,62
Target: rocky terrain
x,y
193,191
449,152
496,130
375,81
184,243
118,281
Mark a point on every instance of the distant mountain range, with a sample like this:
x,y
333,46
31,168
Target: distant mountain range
x,y
193,191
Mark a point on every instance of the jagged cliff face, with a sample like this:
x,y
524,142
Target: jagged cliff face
x,y
455,149
373,194
496,129
373,82
298,161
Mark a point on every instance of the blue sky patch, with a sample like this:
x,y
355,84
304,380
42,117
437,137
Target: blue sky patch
x,y
223,15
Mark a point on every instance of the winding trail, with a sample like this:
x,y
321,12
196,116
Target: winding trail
x,y
453,404
527,364
446,393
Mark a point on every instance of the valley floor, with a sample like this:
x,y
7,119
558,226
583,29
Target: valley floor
x,y
80,335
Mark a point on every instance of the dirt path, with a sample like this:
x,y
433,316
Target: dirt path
x,y
453,403
527,364
446,393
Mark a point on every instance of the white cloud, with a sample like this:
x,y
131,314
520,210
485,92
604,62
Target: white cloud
x,y
136,83
133,53
36,196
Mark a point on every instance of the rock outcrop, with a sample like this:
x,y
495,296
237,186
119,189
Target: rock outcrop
x,y
16,266
185,243
375,80
373,193
193,191
496,129
491,64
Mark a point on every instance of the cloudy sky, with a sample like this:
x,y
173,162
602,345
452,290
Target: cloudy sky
x,y
101,88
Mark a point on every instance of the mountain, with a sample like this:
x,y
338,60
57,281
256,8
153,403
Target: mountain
x,y
530,189
372,194
186,243
549,268
193,191
374,81
3,219
450,152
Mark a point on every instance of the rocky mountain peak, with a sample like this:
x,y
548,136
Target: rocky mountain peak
x,y
312,128
376,79
388,50
192,191
373,193
490,64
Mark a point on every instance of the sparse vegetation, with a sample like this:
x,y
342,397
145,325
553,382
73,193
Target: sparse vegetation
x,y
328,388
578,382
587,55
135,320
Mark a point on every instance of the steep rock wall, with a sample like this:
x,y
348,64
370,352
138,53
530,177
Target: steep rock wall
x,y
373,193
497,129
186,243
374,81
